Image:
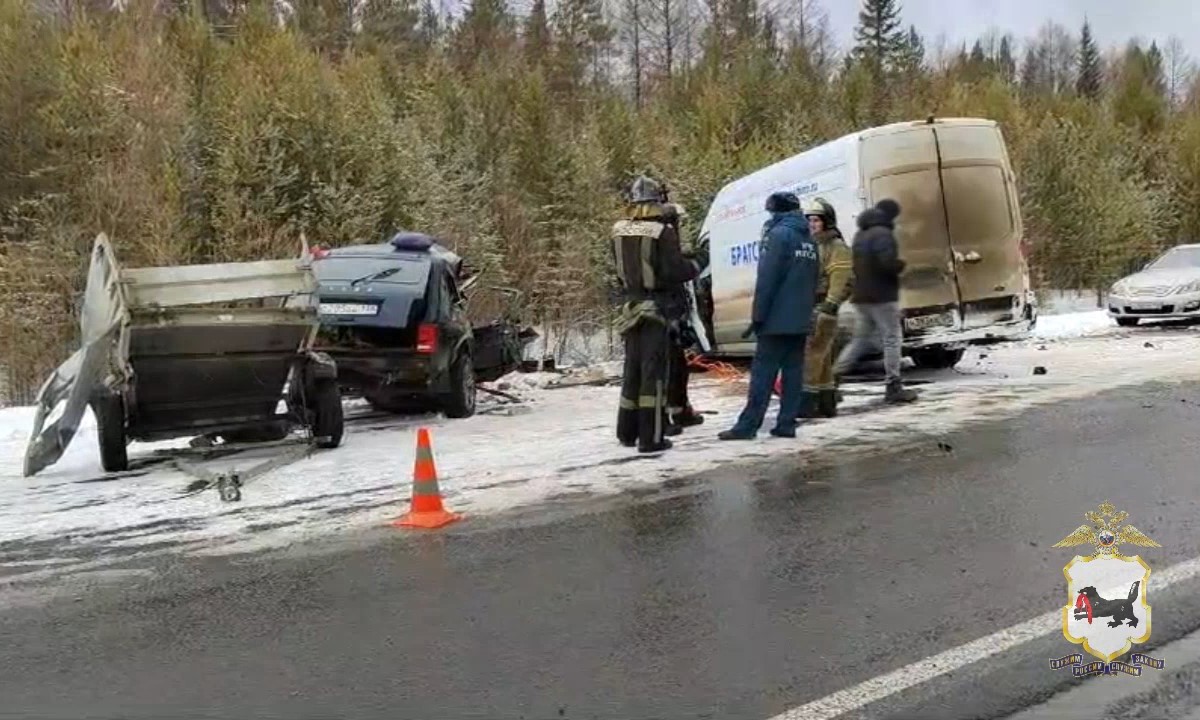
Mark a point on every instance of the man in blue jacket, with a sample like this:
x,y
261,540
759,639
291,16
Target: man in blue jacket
x,y
784,295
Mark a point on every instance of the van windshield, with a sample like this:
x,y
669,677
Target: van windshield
x,y
1176,259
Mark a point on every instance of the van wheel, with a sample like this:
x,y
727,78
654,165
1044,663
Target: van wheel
x,y
936,358
110,426
1127,322
460,403
328,422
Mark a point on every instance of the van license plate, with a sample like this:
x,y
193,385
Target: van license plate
x,y
349,309
1145,306
924,322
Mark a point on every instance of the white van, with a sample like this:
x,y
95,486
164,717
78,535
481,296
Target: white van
x,y
959,231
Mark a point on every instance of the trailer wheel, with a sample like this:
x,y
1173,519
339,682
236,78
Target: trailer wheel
x,y
460,403
328,423
110,427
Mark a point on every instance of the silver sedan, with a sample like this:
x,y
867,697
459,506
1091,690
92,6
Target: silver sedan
x,y
1169,287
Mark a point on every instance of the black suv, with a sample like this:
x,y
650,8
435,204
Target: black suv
x,y
394,319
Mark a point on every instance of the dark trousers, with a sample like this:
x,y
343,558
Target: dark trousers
x,y
642,411
774,356
677,380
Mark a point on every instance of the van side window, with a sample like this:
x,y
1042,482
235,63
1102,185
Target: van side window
x,y
977,204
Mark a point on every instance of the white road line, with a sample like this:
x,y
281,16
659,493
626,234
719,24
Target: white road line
x,y
883,686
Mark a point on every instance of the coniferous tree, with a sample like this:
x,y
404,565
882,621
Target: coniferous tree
x,y
537,33
914,51
879,40
1154,69
1006,65
1090,74
880,46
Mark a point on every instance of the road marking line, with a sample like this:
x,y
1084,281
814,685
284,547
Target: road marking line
x,y
922,671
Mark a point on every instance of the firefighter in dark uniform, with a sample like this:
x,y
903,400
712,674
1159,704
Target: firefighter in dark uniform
x,y
651,267
680,413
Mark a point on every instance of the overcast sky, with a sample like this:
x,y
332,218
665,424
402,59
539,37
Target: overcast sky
x,y
1113,21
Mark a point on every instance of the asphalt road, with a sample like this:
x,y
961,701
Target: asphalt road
x,y
738,595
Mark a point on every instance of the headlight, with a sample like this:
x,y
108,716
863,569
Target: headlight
x,y
1193,286
1120,288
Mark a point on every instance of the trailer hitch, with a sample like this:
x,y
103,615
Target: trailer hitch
x,y
229,486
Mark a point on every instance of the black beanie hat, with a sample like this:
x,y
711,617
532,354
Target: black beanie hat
x,y
890,208
781,202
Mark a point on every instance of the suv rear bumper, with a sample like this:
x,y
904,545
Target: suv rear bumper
x,y
404,370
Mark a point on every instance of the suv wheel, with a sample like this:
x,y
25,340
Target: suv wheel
x,y
328,422
460,403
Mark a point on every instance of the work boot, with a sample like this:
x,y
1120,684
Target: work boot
x,y
660,447
734,435
808,405
827,402
897,393
671,429
689,418
783,432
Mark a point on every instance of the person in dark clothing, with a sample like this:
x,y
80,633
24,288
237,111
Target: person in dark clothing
x,y
784,296
876,296
680,413
650,266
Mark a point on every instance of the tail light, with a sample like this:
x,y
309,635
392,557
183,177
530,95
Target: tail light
x,y
318,252
427,338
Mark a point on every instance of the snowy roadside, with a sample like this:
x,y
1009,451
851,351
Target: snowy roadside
x,y
559,448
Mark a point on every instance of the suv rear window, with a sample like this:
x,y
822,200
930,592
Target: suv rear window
x,y
333,268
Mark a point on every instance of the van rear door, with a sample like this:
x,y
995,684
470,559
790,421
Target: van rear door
x,y
903,165
984,222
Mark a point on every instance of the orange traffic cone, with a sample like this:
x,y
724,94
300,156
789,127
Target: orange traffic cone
x,y
426,510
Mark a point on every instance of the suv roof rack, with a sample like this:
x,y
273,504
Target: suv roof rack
x,y
412,241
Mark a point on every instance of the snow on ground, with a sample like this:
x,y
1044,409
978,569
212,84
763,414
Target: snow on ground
x,y
556,447
1094,322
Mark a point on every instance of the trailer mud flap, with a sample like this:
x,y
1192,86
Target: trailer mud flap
x,y
76,380
73,382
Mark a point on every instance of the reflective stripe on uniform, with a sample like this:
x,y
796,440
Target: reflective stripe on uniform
x,y
648,402
637,228
627,404
620,259
649,282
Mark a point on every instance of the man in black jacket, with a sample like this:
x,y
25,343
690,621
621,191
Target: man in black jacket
x,y
876,296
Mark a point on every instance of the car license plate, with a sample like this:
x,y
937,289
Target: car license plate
x,y
349,309
924,322
1145,305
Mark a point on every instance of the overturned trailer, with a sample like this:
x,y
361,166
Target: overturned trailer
x,y
183,351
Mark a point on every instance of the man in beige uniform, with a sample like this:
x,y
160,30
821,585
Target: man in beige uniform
x,y
834,287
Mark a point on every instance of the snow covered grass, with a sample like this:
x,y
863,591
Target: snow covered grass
x,y
557,447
